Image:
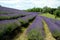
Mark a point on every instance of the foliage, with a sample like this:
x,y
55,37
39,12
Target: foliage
x,y
34,10
58,8
56,34
57,13
34,35
22,21
46,9
7,28
9,17
4,17
54,11
2,12
48,15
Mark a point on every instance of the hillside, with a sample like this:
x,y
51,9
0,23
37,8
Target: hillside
x,y
20,25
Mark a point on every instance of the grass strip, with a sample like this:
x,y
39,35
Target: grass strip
x,y
48,35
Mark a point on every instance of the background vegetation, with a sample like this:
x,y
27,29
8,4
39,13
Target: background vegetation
x,y
53,11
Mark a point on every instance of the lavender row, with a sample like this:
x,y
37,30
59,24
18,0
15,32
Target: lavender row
x,y
15,15
12,13
26,19
10,10
7,26
5,23
57,22
11,16
10,25
35,30
55,30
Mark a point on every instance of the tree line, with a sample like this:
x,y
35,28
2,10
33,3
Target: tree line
x,y
54,11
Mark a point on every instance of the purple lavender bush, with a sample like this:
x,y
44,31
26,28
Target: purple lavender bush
x,y
7,26
55,30
26,19
35,30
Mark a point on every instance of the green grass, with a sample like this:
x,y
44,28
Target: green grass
x,y
48,34
49,16
58,18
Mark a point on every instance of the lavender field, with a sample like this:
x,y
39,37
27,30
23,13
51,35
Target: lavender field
x,y
21,25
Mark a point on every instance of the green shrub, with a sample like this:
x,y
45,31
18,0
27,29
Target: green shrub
x,y
57,13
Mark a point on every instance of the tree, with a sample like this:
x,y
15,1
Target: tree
x,y
58,8
46,9
52,10
34,10
57,13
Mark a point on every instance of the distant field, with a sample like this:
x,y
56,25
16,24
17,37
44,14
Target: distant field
x,y
49,16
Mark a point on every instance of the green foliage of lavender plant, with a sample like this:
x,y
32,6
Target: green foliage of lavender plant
x,y
7,28
56,33
8,17
12,26
22,21
1,33
4,17
34,35
2,12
